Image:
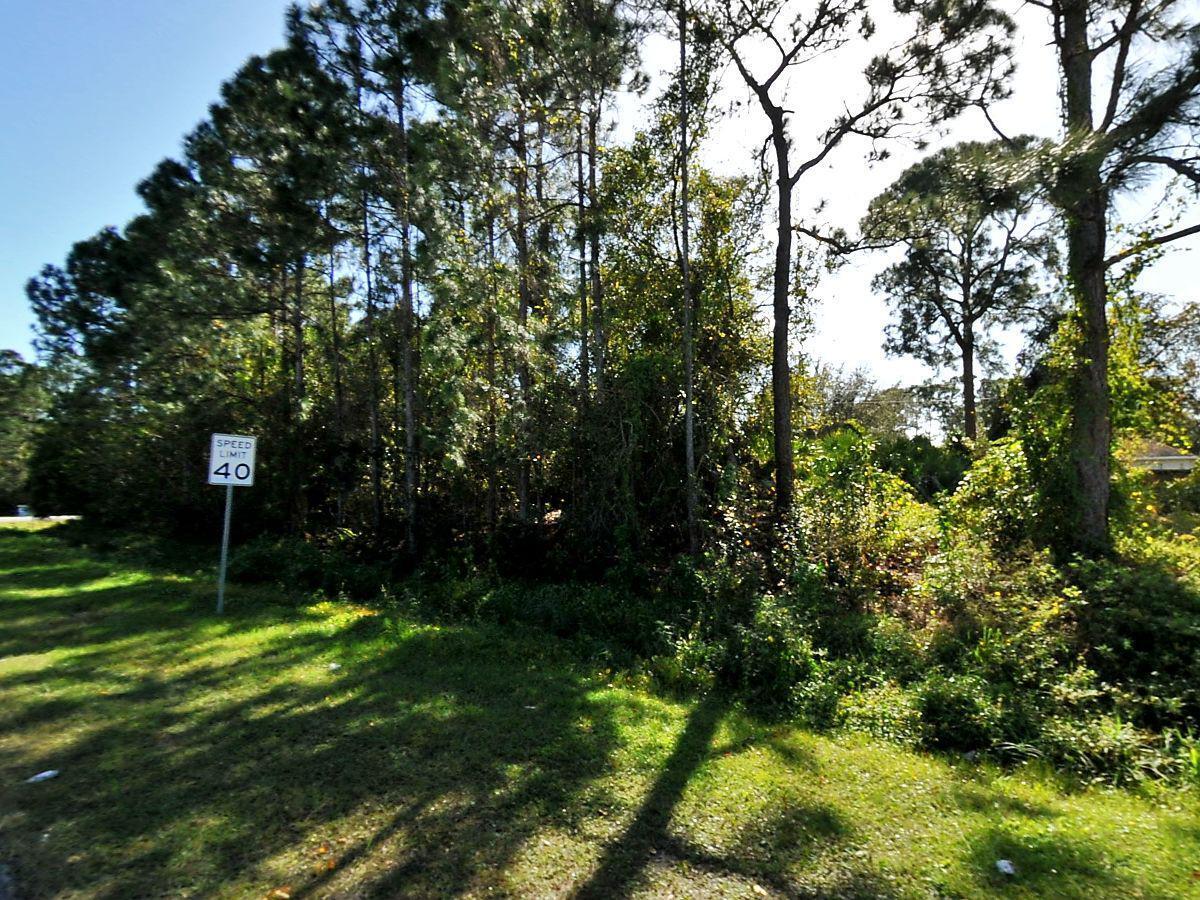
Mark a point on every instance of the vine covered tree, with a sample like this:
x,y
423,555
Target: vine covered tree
x,y
1130,99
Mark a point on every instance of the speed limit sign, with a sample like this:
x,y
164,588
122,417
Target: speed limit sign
x,y
231,463
231,460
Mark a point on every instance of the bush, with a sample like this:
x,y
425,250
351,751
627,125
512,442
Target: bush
x,y
844,515
1141,631
292,563
930,470
888,712
895,648
297,564
1181,494
772,655
996,500
957,713
1103,748
693,663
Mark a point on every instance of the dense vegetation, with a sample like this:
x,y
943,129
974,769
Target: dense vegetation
x,y
331,750
503,368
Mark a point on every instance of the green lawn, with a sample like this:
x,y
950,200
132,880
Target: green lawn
x,y
223,757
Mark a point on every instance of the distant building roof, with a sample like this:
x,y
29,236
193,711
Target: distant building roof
x,y
1159,457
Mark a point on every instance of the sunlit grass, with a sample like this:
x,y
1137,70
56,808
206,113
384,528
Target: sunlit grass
x,y
225,757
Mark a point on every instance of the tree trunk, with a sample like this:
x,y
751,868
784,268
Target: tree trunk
x,y
970,423
408,331
493,494
523,299
584,362
298,337
376,447
373,392
689,428
541,260
339,397
296,500
781,375
594,240
1081,195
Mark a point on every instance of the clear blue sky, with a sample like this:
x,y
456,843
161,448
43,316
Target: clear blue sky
x,y
95,93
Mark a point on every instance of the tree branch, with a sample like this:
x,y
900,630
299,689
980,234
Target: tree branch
x,y
1125,38
1152,242
840,246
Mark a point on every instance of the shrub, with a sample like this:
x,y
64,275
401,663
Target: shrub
x,y
957,713
1102,748
693,663
888,712
844,514
930,470
895,649
1181,494
996,500
1141,631
292,563
817,699
772,655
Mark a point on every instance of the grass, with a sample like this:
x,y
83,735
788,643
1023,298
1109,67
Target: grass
x,y
225,758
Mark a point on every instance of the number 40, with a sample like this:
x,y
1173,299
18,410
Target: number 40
x,y
241,471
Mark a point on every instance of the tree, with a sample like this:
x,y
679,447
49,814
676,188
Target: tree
x,y
952,56
23,398
1130,95
689,308
972,251
641,195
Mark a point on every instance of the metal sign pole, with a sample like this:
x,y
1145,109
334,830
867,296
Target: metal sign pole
x,y
224,550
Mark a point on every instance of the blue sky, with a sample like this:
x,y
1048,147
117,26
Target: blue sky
x,y
95,93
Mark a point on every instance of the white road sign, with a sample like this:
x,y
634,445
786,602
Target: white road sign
x,y
231,460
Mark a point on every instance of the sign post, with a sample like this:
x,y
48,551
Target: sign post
x,y
224,549
231,463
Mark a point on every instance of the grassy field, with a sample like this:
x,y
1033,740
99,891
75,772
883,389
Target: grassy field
x,y
228,757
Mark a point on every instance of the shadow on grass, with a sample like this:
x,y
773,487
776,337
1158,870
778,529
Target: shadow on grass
x,y
989,801
433,748
625,860
204,756
763,854
185,774
1047,865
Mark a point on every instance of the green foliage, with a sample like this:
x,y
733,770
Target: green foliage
x,y
403,251
927,468
23,397
1141,627
957,713
887,712
1103,748
474,739
997,499
772,655
845,513
301,567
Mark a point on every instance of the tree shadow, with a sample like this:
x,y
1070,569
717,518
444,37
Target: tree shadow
x,y
761,854
1047,865
626,858
189,771
978,799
